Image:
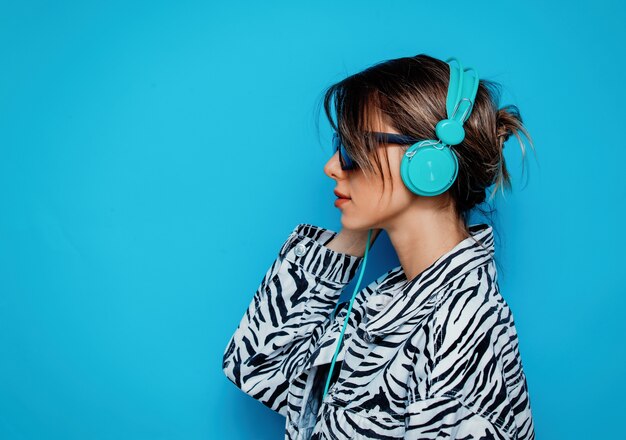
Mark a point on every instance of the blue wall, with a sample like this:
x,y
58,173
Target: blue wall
x,y
155,155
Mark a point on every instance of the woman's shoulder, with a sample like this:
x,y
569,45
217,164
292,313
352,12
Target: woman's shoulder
x,y
475,306
476,290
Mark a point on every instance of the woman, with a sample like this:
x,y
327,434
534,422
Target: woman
x,y
430,348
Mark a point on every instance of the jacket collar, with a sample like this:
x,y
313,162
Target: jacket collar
x,y
397,302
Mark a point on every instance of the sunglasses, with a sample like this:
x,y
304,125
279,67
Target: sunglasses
x,y
385,138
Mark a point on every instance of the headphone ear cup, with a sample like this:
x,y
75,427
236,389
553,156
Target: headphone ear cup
x,y
428,170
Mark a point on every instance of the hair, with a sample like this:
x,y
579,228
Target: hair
x,y
409,94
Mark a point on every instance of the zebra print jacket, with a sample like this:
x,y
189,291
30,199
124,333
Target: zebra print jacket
x,y
432,357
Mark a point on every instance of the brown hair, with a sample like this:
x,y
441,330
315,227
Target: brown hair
x,y
409,94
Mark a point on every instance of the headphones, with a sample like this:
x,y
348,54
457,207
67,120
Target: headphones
x,y
429,167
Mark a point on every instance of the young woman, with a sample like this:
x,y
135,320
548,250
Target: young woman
x,y
429,349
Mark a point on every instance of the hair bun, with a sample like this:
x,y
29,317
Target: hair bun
x,y
506,121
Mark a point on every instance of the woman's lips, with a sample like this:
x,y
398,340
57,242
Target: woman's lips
x,y
340,201
342,198
340,195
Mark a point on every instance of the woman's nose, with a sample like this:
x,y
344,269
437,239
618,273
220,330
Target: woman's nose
x,y
333,167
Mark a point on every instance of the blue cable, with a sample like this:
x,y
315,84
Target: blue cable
x,y
356,289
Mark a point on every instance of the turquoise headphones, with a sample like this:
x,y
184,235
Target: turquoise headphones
x,y
429,167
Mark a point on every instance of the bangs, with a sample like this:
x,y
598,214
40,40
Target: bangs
x,y
353,111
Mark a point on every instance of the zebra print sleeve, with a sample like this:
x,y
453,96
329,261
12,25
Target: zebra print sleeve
x,y
476,387
295,298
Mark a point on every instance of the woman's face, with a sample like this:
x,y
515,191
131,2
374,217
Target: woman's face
x,y
369,206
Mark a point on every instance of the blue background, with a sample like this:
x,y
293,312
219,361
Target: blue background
x,y
155,155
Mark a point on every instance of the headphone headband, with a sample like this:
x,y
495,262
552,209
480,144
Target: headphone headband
x,y
462,89
454,86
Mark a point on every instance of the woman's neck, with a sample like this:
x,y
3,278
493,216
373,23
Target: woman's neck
x,y
421,236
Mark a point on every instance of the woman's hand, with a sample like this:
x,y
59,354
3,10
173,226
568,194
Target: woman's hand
x,y
352,242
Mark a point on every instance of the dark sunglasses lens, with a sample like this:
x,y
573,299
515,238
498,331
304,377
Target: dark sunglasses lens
x,y
344,158
348,164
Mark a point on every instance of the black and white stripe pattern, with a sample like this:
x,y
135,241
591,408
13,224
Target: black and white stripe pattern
x,y
432,357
